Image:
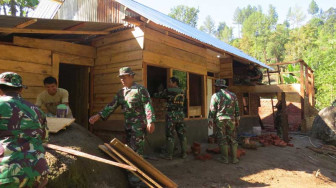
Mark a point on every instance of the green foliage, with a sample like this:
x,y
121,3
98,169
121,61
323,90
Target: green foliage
x,y
314,42
185,14
224,32
18,6
313,8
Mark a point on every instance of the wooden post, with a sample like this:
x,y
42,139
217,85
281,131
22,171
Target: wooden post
x,y
188,95
302,92
55,65
91,95
284,118
204,95
272,102
144,74
306,77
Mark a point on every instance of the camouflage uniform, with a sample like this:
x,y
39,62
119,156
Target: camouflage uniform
x,y
23,128
255,72
174,119
223,112
138,112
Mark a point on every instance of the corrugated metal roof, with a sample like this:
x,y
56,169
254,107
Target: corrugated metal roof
x,y
166,21
47,9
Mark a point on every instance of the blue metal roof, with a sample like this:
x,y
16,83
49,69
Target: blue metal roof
x,y
166,21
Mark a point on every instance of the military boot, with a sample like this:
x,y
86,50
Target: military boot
x,y
224,149
184,148
170,151
234,148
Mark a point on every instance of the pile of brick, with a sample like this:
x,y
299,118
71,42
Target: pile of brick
x,y
216,150
271,139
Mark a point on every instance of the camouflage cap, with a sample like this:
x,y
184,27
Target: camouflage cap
x,y
11,79
220,83
126,71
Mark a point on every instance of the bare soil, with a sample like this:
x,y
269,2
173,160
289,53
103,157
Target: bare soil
x,y
269,166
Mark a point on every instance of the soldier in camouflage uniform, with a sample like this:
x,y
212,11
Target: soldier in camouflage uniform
x,y
224,113
136,104
174,117
23,128
255,76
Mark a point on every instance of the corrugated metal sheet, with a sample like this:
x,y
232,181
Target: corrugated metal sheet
x,y
46,9
166,21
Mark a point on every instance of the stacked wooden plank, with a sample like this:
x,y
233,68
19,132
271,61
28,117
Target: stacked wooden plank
x,y
145,171
57,124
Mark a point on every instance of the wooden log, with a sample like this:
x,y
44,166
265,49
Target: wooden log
x,y
88,156
16,53
56,46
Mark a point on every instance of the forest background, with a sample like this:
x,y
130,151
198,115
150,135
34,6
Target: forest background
x,y
262,36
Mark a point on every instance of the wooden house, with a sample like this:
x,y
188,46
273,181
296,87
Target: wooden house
x,y
83,43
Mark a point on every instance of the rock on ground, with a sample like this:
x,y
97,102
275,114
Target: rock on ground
x,y
324,125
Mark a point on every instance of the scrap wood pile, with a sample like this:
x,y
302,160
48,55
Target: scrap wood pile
x,y
324,149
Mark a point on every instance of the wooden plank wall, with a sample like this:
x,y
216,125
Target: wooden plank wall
x,y
226,67
114,51
166,51
32,64
35,59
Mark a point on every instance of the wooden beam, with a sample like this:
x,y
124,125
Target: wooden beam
x,y
75,60
48,31
27,23
56,46
290,88
75,27
133,21
114,28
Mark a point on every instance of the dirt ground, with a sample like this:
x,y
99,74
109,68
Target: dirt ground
x,y
269,166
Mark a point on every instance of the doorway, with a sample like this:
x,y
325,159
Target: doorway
x,y
75,79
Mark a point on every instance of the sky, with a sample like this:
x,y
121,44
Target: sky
x,y
223,10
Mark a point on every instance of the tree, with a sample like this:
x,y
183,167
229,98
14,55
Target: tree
x,y
208,25
272,16
295,17
224,32
18,6
185,14
313,8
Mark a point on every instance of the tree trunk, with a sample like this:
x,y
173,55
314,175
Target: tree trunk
x,y
4,8
13,7
21,11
